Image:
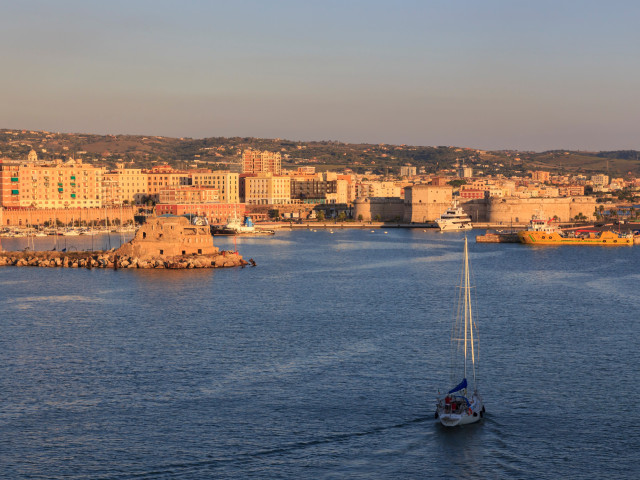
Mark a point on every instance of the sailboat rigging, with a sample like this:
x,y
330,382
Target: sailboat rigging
x,y
462,404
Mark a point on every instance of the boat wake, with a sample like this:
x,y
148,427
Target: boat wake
x,y
196,468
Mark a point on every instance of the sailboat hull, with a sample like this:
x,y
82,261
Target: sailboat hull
x,y
461,416
453,420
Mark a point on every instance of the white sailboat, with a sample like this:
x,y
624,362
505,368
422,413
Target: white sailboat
x,y
462,404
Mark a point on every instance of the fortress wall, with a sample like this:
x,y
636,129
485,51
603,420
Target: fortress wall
x,y
505,210
389,209
425,203
13,217
476,209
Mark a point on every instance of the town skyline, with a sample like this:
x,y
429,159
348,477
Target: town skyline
x,y
491,75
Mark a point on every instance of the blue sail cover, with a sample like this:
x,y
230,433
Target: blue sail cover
x,y
460,386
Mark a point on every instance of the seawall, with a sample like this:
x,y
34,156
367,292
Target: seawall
x,y
111,259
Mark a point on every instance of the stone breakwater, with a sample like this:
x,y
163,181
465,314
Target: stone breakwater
x,y
113,260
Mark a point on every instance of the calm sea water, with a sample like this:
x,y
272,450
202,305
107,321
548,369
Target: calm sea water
x,y
322,362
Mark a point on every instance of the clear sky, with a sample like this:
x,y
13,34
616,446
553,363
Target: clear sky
x,y
523,74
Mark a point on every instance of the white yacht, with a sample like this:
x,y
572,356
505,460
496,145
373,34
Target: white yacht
x,y
454,219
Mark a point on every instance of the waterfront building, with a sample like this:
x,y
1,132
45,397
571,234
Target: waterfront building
x,y
255,161
312,190
319,188
9,183
227,183
124,185
50,185
164,176
266,188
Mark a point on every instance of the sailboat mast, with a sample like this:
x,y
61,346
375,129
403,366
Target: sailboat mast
x,y
469,309
466,302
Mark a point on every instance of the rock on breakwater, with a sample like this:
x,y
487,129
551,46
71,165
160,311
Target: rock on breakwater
x,y
111,259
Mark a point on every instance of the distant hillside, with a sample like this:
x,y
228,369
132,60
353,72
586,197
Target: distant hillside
x,y
224,153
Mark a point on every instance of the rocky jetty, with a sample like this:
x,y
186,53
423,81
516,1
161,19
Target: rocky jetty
x,y
111,259
162,242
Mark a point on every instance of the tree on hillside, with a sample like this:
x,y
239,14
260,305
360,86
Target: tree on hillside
x,y
457,183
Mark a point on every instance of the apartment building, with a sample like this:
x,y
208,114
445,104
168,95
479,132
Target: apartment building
x,y
122,185
267,189
255,161
161,177
51,185
225,182
377,189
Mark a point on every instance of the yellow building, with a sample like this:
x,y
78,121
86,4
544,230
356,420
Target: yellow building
x,y
164,176
227,183
124,185
377,189
267,189
52,185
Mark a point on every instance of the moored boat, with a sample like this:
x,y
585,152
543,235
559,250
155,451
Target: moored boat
x,y
236,226
454,219
576,237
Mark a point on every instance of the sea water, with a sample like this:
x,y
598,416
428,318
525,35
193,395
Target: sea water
x,y
323,361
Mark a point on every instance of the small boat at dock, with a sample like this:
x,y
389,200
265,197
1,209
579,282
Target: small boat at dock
x,y
454,219
236,226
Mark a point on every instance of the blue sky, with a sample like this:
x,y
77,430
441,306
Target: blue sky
x,y
486,74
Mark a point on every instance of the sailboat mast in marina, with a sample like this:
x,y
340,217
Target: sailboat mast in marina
x,y
462,404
